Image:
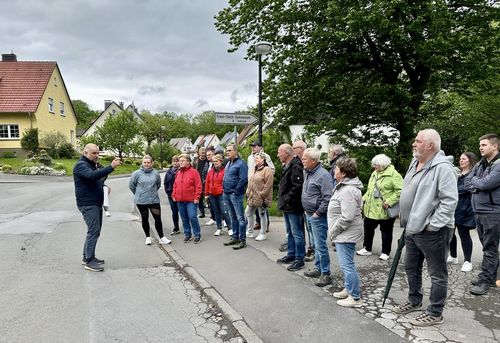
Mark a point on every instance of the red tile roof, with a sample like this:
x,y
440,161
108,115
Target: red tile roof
x,y
22,84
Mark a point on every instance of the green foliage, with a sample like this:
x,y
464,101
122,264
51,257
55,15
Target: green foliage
x,y
8,154
53,141
29,141
42,157
59,166
66,150
156,165
6,168
84,114
168,152
128,161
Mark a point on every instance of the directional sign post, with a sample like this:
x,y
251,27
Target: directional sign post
x,y
234,118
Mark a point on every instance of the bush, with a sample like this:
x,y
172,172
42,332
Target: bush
x,y
30,140
53,142
7,168
59,166
44,158
108,158
9,154
128,161
156,165
138,163
41,170
66,150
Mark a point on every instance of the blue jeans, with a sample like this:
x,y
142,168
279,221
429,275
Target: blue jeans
x,y
319,228
294,223
175,212
345,255
432,246
219,210
187,210
234,203
92,215
488,229
309,233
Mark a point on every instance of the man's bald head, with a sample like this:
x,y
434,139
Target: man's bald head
x,y
91,151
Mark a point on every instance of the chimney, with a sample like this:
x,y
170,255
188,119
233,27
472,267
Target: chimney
x,y
121,104
107,103
9,57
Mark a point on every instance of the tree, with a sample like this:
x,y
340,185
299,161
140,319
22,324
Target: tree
x,y
119,133
30,141
84,114
353,67
53,141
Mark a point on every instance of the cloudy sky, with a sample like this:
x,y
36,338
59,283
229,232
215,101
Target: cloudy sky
x,y
165,55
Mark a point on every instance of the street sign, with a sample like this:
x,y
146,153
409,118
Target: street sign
x,y
234,118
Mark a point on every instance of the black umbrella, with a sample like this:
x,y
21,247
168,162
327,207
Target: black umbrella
x,y
394,267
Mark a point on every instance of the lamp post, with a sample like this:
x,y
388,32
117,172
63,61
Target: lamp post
x,y
261,48
161,146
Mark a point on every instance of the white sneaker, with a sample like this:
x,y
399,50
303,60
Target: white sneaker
x,y
384,257
218,232
452,260
107,214
260,237
148,241
224,223
210,222
230,232
341,295
165,240
364,252
350,302
466,267
249,234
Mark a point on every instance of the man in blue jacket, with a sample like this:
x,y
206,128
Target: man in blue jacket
x,y
89,180
234,185
484,184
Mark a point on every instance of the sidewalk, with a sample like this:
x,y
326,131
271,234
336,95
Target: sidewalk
x,y
283,306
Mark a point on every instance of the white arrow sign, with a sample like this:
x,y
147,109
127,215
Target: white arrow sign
x,y
234,118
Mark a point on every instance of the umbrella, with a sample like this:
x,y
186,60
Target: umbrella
x,y
394,267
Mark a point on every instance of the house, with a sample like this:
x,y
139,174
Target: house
x,y
183,144
321,142
33,95
207,140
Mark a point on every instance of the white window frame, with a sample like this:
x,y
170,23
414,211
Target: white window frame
x,y
61,108
51,105
10,128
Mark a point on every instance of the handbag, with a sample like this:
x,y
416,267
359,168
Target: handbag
x,y
392,211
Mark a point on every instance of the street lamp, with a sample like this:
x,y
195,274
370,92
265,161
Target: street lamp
x,y
261,48
161,146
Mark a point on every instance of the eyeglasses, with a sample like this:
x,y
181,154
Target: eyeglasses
x,y
297,147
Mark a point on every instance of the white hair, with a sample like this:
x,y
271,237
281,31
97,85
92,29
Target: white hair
x,y
432,136
312,153
381,160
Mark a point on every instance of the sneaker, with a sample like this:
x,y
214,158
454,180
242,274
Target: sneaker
x,y
407,307
240,245
426,319
477,282
218,232
343,294
249,234
107,214
165,240
363,252
283,247
96,260
94,267
224,223
480,289
148,241
466,267
285,259
230,232
188,239
296,265
197,240
210,222
324,280
349,302
232,241
312,273
261,237
452,260
201,216
383,257
175,232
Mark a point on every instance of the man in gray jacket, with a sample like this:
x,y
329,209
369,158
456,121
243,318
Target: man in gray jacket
x,y
427,202
316,194
484,183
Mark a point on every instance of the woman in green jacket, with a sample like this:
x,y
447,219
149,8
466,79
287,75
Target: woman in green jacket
x,y
384,189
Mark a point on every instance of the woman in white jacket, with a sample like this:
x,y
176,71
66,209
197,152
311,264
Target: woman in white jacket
x,y
345,227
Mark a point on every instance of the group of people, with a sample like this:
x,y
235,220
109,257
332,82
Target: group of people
x,y
323,208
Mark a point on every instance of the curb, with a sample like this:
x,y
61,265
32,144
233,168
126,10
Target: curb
x,y
232,315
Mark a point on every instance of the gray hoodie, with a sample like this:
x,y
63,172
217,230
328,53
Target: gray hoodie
x,y
345,223
435,198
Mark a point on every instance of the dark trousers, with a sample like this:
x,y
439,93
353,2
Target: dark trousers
x,y
488,229
175,212
386,226
433,247
201,205
92,215
156,212
465,239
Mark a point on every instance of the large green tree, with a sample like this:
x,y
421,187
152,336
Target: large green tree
x,y
353,67
84,113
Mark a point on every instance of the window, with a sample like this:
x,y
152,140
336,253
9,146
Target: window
x,y
51,105
9,131
61,107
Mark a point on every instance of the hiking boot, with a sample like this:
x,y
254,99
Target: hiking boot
x,y
94,267
285,259
197,240
407,307
240,245
349,302
296,265
188,239
480,289
232,241
324,280
343,294
312,273
426,319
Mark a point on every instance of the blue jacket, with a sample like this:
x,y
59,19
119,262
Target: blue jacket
x,y
145,183
235,177
464,215
88,181
484,184
317,190
168,181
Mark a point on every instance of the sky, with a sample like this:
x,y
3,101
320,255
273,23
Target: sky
x,y
164,55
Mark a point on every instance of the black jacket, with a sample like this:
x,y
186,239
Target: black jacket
x,y
290,188
168,181
89,181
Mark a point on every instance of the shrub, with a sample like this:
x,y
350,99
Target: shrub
x,y
53,141
156,165
7,168
59,166
9,154
66,150
128,161
108,158
137,163
41,170
44,158
30,140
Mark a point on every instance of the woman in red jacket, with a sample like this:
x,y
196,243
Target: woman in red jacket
x,y
187,191
213,188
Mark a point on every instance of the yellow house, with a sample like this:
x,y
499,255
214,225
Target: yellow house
x,y
33,95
